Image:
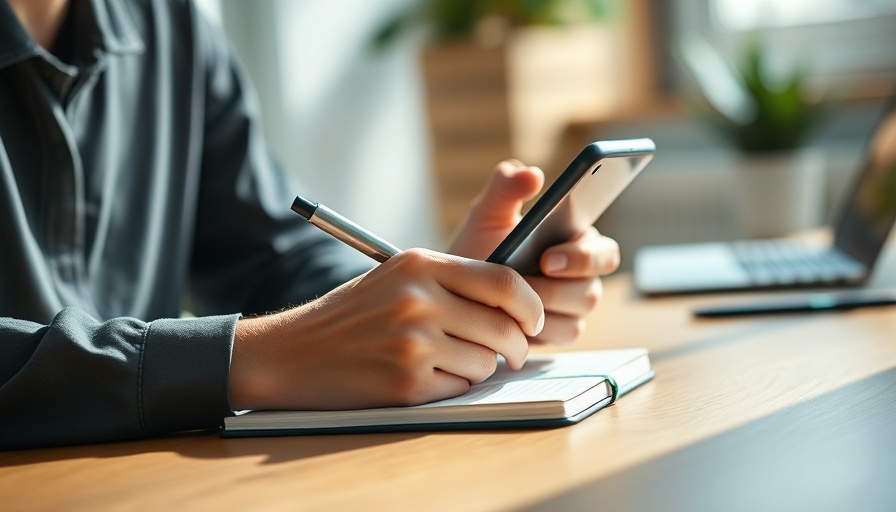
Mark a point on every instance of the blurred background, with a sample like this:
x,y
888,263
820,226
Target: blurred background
x,y
756,106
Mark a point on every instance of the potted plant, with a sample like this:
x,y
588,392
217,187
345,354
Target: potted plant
x,y
780,182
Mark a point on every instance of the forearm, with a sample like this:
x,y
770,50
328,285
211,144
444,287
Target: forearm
x,y
78,380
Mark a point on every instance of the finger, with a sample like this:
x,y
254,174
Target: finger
x,y
471,361
567,296
489,327
589,255
560,330
510,185
492,285
440,385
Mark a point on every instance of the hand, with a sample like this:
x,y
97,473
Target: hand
x,y
570,286
422,326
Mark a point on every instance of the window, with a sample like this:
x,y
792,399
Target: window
x,y
846,45
745,15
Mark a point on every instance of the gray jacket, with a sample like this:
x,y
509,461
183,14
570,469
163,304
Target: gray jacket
x,y
134,184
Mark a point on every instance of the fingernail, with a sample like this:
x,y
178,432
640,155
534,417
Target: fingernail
x,y
540,325
556,262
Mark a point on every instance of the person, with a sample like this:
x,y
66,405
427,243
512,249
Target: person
x,y
134,184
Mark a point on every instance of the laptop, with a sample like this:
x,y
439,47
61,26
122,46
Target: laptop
x,y
861,229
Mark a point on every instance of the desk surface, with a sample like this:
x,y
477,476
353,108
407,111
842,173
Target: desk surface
x,y
733,407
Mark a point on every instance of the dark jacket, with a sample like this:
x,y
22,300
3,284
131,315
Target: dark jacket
x,y
134,184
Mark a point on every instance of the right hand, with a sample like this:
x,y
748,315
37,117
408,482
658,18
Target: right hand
x,y
422,326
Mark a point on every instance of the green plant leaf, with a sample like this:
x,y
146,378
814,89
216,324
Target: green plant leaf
x,y
450,19
784,115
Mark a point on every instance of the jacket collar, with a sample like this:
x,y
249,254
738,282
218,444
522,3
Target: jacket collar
x,y
110,27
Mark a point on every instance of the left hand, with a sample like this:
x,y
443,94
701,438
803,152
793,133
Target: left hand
x,y
570,287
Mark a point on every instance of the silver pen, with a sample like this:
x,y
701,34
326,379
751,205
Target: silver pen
x,y
344,230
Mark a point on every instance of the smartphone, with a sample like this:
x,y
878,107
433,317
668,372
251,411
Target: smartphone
x,y
574,201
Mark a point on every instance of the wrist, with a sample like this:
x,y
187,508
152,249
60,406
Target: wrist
x,y
249,383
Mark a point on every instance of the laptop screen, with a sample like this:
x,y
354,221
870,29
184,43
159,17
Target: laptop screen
x,y
870,211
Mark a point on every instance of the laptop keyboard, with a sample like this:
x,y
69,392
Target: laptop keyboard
x,y
781,263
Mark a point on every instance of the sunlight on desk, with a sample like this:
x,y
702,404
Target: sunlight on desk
x,y
714,379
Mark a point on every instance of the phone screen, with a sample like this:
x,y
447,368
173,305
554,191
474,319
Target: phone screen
x,y
574,201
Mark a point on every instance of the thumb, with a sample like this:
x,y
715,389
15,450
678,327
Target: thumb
x,y
511,184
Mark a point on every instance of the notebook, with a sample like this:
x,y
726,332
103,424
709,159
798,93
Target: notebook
x,y
551,390
861,229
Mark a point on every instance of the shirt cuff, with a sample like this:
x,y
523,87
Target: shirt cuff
x,y
185,372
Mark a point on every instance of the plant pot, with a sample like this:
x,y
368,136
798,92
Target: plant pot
x,y
780,193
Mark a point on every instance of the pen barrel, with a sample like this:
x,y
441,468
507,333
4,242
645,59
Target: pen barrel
x,y
352,234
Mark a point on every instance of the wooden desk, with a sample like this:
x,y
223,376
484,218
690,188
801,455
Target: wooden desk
x,y
713,378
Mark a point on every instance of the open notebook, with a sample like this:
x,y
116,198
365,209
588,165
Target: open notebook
x,y
551,390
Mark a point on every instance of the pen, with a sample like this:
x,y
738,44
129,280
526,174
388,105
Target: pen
x,y
344,230
813,303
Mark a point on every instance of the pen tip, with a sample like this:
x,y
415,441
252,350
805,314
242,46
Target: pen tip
x,y
304,207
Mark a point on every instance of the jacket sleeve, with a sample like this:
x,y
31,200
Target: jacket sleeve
x,y
252,253
78,380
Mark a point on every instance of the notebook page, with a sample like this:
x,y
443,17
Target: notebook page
x,y
565,364
545,390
